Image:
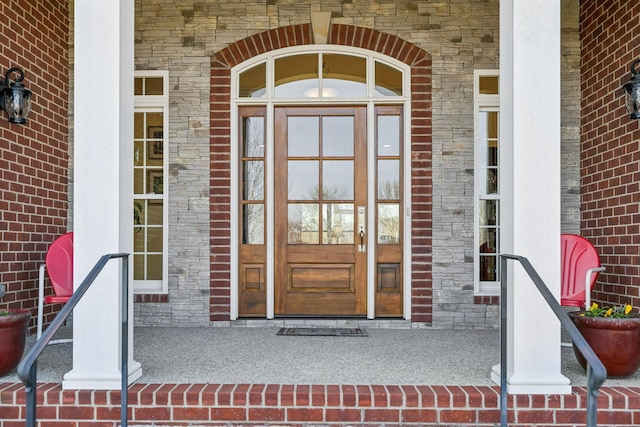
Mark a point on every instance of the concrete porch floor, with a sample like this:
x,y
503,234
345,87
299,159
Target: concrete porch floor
x,y
391,354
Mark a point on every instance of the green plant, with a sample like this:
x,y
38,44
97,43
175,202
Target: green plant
x,y
620,312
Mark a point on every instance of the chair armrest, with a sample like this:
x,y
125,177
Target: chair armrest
x,y
587,285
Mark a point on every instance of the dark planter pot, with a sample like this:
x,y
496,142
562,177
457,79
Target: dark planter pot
x,y
13,334
615,341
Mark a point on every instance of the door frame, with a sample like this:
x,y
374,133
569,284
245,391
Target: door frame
x,y
270,104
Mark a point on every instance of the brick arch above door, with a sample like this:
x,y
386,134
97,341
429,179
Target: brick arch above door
x,y
421,157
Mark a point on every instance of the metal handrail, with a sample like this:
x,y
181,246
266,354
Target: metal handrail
x,y
596,372
27,368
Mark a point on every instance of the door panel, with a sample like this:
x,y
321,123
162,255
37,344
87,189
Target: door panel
x,y
320,179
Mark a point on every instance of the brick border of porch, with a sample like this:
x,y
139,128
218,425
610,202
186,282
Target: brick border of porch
x,y
318,405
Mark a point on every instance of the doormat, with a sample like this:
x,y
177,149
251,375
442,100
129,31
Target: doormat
x,y
323,332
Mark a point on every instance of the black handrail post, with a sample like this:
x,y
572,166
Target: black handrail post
x,y
596,372
125,344
503,342
27,370
31,397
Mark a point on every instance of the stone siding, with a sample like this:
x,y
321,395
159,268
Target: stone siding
x,y
182,36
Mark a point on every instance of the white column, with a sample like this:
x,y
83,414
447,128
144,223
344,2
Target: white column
x,y
103,186
530,135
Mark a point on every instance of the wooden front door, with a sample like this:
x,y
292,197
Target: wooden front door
x,y
320,199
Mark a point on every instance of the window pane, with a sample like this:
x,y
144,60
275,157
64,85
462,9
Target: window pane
x,y
488,212
139,213
154,212
137,85
154,267
253,137
138,181
491,181
388,135
337,180
389,179
155,153
139,237
488,270
138,153
303,136
138,267
253,82
296,74
154,239
337,224
303,221
337,136
489,85
155,181
154,125
253,224
489,241
303,180
153,86
492,125
344,76
388,80
253,180
492,153
388,223
138,125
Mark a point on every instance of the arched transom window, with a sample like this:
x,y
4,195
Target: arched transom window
x,y
324,76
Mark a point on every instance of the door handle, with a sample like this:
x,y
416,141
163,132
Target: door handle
x,y
361,221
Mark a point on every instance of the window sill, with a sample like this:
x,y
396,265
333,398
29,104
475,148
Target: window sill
x,y
151,298
486,299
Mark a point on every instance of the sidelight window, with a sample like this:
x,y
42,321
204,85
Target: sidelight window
x,y
150,233
487,183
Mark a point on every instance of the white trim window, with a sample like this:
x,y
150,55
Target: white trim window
x,y
150,167
487,196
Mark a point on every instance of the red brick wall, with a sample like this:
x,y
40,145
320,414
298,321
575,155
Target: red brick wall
x,y
33,157
610,155
326,405
421,143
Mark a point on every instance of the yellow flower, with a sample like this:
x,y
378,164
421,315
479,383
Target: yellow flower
x,y
627,309
594,306
608,313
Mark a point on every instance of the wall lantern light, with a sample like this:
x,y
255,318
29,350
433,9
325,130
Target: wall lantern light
x,y
632,92
15,99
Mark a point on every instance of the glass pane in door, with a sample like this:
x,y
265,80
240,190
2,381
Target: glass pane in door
x,y
337,224
304,223
303,180
337,180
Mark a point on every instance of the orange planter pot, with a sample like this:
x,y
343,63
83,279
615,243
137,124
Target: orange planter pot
x,y
13,334
616,342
